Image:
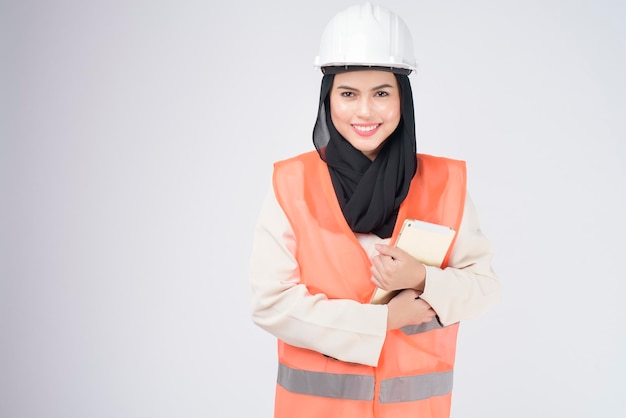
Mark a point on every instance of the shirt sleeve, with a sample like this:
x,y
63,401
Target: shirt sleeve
x,y
468,286
341,328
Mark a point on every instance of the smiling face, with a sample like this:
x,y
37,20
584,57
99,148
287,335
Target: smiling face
x,y
365,108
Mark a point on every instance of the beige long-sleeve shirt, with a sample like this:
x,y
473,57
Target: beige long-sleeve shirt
x,y
346,329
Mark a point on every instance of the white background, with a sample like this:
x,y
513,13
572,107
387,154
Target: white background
x,y
136,143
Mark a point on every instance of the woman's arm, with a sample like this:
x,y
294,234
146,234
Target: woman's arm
x,y
468,286
340,328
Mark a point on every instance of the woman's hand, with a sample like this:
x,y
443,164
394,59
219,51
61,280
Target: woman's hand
x,y
395,269
407,309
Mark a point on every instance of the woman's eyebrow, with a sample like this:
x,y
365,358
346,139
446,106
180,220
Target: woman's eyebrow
x,y
382,86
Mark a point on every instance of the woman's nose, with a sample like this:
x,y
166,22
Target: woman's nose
x,y
363,107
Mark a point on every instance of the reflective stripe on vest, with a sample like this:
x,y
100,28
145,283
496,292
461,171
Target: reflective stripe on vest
x,y
361,387
415,388
425,327
328,385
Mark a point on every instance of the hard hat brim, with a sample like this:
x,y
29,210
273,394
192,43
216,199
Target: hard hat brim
x,y
336,69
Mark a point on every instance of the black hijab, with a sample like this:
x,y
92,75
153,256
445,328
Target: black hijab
x,y
369,192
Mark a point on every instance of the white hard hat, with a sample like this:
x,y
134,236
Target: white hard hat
x,y
366,35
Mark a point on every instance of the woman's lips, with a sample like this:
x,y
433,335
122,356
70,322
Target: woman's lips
x,y
366,130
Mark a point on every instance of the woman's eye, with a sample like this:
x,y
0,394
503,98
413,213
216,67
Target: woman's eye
x,y
347,94
381,94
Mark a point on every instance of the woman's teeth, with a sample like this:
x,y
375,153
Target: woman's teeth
x,y
365,128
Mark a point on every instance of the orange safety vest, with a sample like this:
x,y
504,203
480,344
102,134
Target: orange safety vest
x,y
414,373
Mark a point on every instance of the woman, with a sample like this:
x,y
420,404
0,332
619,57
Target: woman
x,y
325,235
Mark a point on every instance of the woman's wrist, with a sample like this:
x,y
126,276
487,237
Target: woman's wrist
x,y
420,278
